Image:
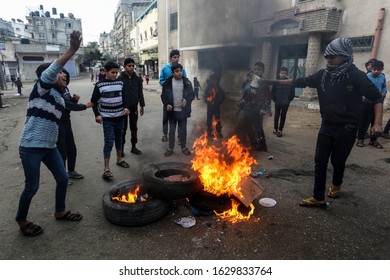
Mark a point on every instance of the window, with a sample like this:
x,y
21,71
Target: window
x,y
68,25
33,58
141,38
362,44
151,31
2,46
173,22
146,36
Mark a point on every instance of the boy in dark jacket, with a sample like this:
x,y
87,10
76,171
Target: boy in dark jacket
x,y
132,96
177,95
66,144
214,97
282,96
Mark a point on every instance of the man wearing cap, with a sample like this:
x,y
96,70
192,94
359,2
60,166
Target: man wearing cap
x,y
340,87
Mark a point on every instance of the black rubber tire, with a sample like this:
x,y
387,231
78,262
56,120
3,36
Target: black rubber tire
x,y
207,202
133,214
156,186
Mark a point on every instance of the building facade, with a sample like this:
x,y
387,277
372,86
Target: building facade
x,y
147,32
232,35
42,39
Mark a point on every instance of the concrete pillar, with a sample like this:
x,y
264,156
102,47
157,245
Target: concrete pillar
x,y
266,57
313,53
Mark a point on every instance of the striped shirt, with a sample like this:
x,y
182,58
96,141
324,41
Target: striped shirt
x,y
108,99
44,111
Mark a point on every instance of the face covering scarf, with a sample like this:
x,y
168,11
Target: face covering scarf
x,y
343,47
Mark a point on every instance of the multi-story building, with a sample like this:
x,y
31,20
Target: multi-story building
x,y
42,39
125,18
147,35
232,35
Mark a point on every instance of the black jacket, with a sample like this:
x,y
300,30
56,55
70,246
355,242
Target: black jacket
x,y
282,95
132,90
188,95
70,105
341,102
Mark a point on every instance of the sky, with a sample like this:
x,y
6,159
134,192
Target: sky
x,y
96,16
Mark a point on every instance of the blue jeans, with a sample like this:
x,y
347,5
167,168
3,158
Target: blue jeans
x,y
113,131
334,142
31,161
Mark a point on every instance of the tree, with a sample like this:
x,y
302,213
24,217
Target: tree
x,y
92,54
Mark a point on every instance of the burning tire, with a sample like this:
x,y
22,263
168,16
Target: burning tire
x,y
208,202
133,214
171,180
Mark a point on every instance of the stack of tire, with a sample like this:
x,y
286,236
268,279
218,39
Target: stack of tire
x,y
161,191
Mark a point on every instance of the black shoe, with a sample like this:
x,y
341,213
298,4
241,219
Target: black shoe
x,y
75,175
168,153
136,151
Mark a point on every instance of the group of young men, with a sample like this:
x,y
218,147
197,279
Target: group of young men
x,y
340,86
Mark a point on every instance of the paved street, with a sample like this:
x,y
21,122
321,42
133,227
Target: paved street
x,y
356,226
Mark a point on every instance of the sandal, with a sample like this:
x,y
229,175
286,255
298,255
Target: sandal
x,y
107,174
375,144
123,164
186,151
334,191
31,229
70,216
359,143
168,153
312,202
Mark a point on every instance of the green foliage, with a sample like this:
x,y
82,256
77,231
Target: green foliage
x,y
92,54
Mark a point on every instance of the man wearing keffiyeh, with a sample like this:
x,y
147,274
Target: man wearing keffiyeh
x,y
340,87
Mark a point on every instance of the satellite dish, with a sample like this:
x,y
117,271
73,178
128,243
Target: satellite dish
x,y
70,15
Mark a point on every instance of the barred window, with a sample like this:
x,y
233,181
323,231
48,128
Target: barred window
x,y
362,44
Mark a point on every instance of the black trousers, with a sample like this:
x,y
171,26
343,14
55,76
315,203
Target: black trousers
x,y
334,142
368,118
280,112
130,121
66,145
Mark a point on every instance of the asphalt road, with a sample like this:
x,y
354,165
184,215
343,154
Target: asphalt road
x,y
355,227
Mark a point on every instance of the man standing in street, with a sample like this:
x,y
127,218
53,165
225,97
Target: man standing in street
x,y
340,86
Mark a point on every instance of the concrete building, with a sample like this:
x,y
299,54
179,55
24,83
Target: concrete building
x,y
147,33
42,39
232,35
125,19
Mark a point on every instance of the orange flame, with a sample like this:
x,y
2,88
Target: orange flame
x,y
131,197
221,170
233,215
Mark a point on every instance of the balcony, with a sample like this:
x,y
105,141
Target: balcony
x,y
293,22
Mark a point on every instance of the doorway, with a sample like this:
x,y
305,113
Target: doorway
x,y
294,58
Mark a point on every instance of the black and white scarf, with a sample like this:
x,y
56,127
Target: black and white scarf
x,y
343,47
